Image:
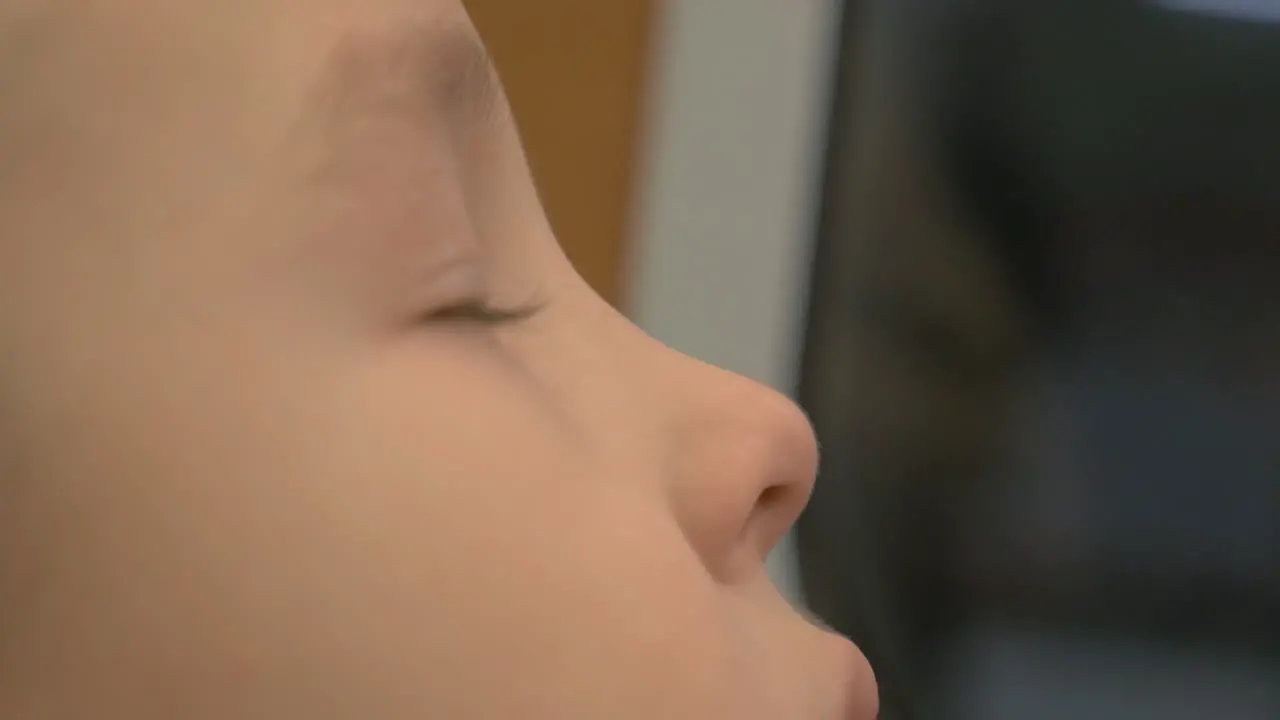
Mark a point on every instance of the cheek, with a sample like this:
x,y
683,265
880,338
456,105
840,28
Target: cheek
x,y
396,533
563,577
457,441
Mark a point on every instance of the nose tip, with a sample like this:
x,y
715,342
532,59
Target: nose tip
x,y
747,462
788,469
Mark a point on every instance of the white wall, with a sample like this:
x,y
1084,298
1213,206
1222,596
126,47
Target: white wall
x,y
729,197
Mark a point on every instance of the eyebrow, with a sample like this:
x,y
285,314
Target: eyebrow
x,y
419,72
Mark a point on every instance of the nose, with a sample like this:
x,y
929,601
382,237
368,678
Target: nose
x,y
743,463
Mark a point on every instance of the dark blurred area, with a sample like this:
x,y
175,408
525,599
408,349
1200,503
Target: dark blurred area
x,y
1043,358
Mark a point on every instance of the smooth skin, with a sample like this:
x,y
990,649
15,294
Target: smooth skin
x,y
304,414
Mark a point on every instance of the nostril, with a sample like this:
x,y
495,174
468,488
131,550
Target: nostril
x,y
772,497
776,508
742,463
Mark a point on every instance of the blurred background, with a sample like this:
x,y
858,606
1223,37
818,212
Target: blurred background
x,y
1020,262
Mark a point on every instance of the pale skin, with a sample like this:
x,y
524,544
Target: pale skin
x,y
270,444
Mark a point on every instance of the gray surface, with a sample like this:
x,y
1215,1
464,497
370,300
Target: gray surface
x,y
1004,674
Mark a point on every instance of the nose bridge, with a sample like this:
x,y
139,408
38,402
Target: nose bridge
x,y
746,462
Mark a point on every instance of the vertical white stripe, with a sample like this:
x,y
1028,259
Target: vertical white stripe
x,y
728,202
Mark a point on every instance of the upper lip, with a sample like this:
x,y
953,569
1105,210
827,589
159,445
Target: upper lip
x,y
861,700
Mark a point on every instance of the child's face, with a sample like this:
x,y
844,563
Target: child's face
x,y
263,454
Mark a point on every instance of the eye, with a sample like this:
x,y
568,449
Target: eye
x,y
479,312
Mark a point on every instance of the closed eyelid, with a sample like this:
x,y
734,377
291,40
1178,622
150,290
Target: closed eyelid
x,y
381,122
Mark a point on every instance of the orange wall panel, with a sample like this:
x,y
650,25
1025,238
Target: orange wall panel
x,y
575,71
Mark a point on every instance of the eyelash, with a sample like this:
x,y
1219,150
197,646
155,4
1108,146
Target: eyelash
x,y
484,313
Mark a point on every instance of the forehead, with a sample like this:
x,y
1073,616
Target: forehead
x,y
145,37
274,59
122,94
410,69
